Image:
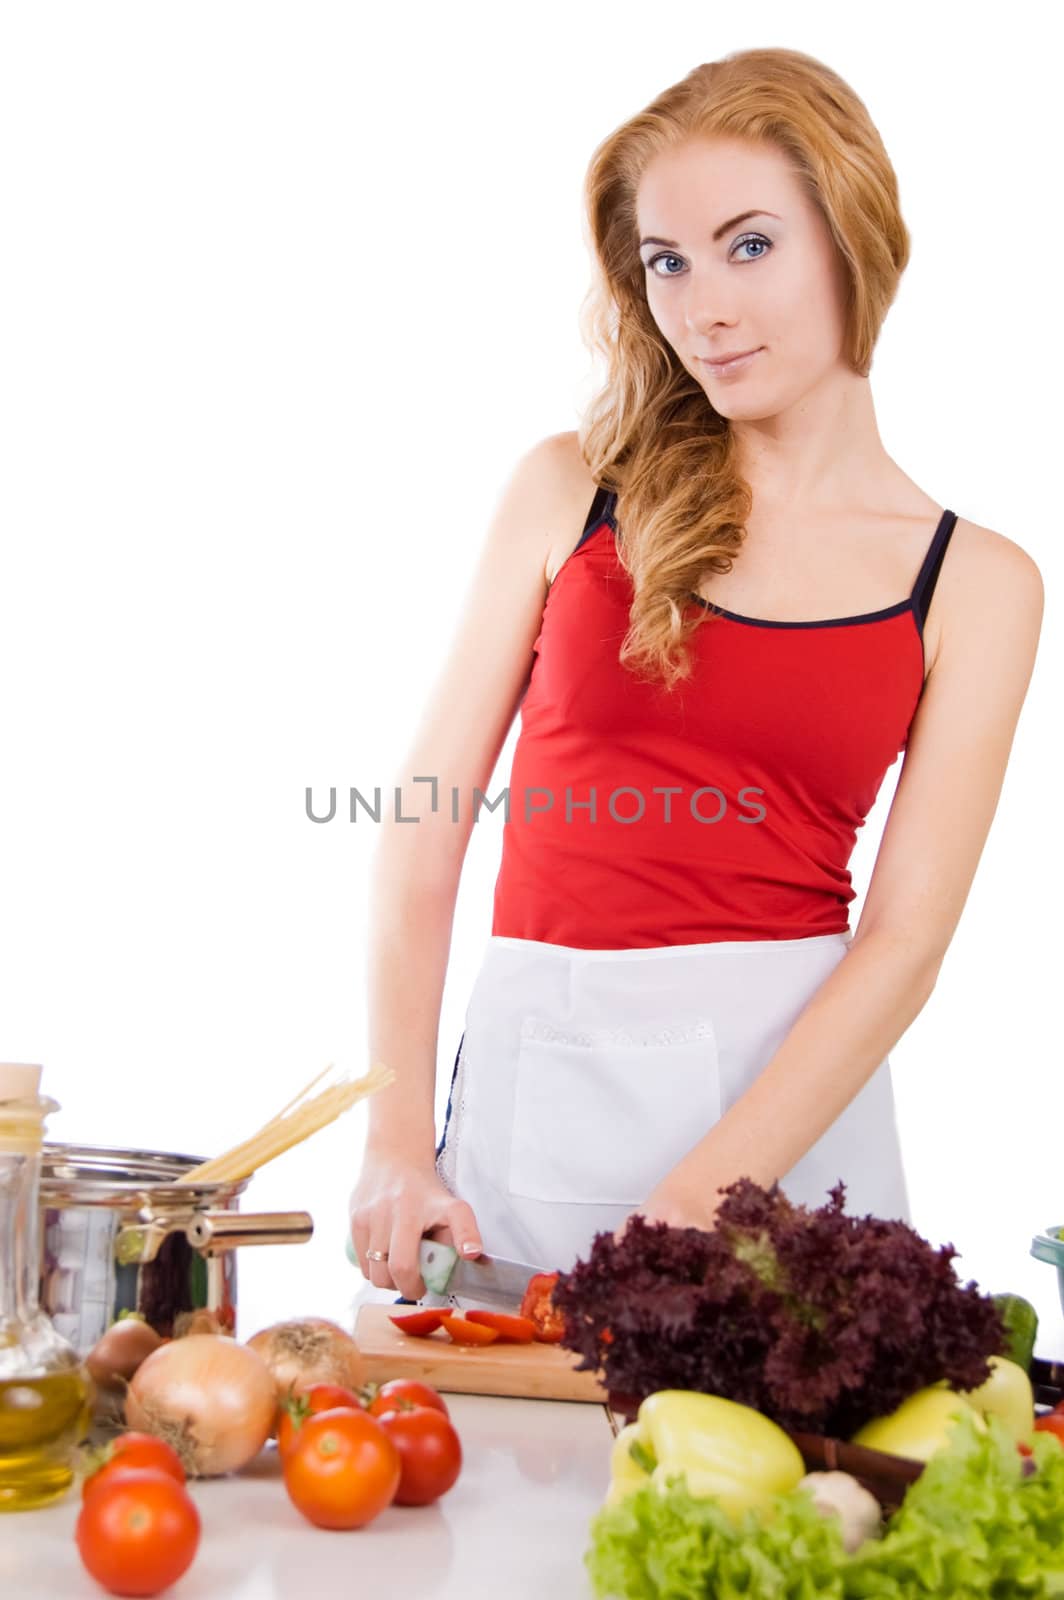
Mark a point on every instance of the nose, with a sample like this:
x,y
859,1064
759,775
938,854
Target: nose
x,y
703,313
708,304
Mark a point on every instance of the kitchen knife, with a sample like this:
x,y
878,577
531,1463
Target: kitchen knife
x,y
499,1283
494,1280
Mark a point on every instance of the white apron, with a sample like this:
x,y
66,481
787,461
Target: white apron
x,y
584,1076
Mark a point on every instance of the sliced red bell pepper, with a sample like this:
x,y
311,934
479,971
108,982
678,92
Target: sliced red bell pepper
x,y
462,1331
547,1321
511,1330
419,1323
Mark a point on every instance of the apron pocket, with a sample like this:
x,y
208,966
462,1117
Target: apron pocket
x,y
601,1115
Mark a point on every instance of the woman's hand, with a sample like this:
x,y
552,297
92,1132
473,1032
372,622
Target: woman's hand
x,y
393,1206
670,1202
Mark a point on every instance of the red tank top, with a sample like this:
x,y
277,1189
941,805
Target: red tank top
x,y
726,810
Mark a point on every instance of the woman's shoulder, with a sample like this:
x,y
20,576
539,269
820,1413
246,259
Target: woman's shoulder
x,y
569,492
988,577
990,556
989,568
977,573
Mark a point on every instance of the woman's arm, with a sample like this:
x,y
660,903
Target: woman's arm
x,y
417,865
399,1197
945,801
409,947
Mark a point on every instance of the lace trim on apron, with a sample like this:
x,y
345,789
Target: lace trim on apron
x,y
447,1158
593,1038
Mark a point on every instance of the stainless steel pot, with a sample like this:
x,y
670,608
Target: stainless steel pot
x,y
119,1233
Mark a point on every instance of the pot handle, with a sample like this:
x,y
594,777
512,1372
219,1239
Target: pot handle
x,y
212,1231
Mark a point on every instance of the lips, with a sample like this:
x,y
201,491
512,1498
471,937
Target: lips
x,y
731,355
724,366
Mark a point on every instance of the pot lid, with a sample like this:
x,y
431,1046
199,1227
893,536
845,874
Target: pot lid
x,y
86,1174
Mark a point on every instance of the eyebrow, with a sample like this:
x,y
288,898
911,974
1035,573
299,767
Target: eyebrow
x,y
673,244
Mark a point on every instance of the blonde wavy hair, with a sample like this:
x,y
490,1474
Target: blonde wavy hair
x,y
651,433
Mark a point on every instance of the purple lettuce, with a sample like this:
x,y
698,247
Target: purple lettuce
x,y
820,1320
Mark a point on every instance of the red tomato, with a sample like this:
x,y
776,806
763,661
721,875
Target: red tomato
x,y
462,1331
430,1451
398,1392
538,1306
298,1407
138,1533
511,1330
343,1469
419,1323
1052,1422
129,1452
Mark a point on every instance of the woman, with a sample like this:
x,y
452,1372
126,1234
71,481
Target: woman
x,y
713,605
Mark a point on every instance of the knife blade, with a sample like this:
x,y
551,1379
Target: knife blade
x,y
499,1283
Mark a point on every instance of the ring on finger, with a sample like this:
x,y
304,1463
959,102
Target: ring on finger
x,y
377,1255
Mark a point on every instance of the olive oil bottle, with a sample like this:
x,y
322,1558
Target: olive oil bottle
x,y
45,1391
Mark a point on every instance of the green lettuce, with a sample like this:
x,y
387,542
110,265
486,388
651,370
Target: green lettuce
x,y
972,1525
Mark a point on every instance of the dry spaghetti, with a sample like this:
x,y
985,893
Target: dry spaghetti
x,y
294,1123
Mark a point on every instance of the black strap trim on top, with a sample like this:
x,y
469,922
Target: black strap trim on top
x,y
924,587
601,507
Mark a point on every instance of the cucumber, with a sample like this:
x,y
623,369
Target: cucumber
x,y
1021,1327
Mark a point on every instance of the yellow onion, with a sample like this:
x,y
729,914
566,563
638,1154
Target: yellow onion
x,y
210,1397
306,1351
118,1353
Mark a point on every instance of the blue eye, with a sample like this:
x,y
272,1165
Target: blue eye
x,y
754,238
662,255
747,238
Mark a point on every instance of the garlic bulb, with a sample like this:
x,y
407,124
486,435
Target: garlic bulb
x,y
839,1494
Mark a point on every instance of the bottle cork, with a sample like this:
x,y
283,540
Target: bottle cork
x,y
19,1081
22,1109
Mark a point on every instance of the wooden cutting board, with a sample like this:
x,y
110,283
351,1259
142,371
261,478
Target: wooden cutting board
x,y
529,1371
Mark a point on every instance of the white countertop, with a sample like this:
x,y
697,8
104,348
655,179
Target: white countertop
x,y
516,1524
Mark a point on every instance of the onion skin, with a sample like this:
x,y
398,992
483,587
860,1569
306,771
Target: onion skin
x,y
307,1351
212,1399
118,1353
201,1321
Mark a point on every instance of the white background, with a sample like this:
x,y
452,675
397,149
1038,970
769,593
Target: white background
x,y
288,289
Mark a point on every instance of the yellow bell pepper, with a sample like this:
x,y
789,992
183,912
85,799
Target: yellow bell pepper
x,y
1007,1394
726,1451
626,1473
920,1426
